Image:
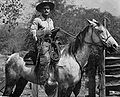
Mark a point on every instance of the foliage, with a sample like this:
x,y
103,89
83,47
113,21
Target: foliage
x,y
10,38
68,17
12,41
73,20
11,10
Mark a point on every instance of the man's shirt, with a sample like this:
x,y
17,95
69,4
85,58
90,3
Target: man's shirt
x,y
42,26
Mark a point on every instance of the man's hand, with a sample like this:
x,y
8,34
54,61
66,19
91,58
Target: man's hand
x,y
55,30
54,33
35,37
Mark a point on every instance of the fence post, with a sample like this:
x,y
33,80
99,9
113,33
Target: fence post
x,y
102,76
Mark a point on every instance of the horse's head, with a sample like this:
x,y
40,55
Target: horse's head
x,y
101,36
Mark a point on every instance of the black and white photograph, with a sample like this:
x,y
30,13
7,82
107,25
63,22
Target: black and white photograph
x,y
59,48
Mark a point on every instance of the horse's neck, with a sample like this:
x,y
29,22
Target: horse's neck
x,y
83,55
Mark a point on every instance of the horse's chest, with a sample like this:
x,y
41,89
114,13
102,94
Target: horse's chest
x,y
70,68
82,57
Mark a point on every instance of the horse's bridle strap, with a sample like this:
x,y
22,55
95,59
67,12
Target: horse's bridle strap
x,y
107,38
96,44
93,44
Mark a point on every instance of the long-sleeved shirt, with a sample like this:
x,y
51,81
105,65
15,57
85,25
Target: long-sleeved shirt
x,y
41,26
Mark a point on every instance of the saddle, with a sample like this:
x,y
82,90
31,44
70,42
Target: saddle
x,y
30,57
37,58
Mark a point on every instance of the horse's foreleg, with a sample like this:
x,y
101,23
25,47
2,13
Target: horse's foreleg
x,y
20,85
69,92
77,88
62,92
8,90
9,85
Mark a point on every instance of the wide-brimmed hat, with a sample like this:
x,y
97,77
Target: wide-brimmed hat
x,y
45,3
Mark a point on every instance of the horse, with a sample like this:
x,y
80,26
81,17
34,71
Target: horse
x,y
95,59
18,74
98,57
75,55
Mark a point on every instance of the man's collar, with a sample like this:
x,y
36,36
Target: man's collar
x,y
42,18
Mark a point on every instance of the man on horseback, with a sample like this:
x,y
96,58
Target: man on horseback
x,y
41,26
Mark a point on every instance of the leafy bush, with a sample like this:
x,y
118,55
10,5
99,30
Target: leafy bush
x,y
67,17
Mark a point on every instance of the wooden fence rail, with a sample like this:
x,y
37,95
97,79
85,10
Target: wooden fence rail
x,y
2,85
112,74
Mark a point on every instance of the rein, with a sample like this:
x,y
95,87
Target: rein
x,y
96,44
93,43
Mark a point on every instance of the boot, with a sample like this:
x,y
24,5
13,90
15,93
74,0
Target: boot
x,y
32,55
27,56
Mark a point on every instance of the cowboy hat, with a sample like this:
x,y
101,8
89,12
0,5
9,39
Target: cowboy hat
x,y
44,3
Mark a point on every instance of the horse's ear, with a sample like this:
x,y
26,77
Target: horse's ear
x,y
95,21
88,21
91,23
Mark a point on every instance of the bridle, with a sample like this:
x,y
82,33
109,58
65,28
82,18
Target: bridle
x,y
97,44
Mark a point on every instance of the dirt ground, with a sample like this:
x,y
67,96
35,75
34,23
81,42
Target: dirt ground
x,y
28,92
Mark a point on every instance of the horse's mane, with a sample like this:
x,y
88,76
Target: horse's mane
x,y
79,41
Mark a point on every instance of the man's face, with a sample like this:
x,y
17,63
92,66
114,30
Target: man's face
x,y
46,10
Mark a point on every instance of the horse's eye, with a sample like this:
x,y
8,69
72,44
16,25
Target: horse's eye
x,y
100,31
